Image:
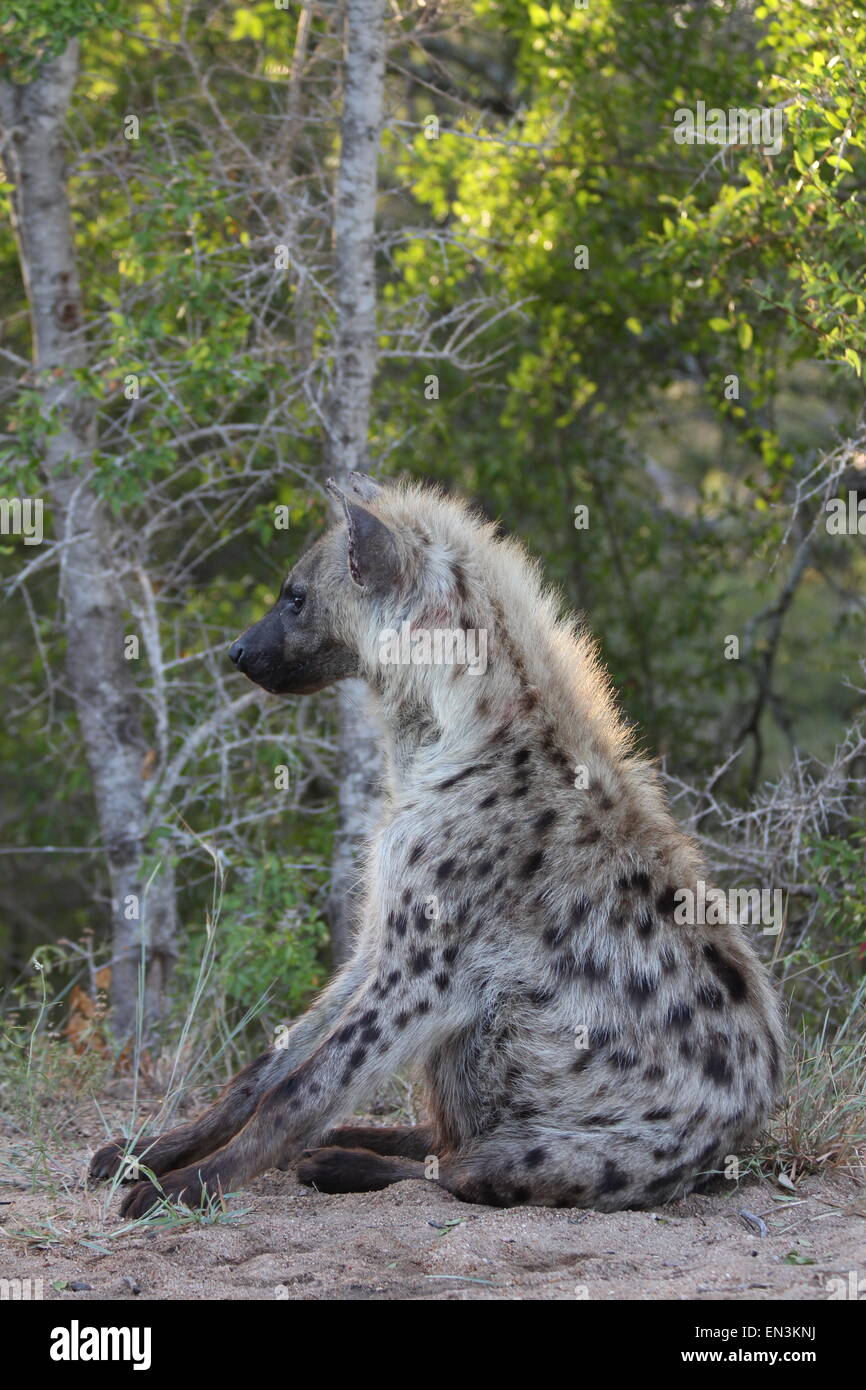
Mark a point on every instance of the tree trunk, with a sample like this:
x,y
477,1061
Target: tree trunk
x,y
101,680
348,414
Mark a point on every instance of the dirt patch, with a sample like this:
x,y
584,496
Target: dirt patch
x,y
415,1241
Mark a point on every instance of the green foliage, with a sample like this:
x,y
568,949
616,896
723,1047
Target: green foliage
x,y
32,32
271,945
837,866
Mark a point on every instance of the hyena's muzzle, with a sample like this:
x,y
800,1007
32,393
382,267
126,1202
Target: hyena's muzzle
x,y
293,649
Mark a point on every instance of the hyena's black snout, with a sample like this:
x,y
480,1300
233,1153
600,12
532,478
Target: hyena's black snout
x,y
259,652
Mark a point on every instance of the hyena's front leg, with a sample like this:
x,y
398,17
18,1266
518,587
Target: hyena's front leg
x,y
372,1037
238,1100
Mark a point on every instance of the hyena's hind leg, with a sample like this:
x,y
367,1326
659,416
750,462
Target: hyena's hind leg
x,y
366,1158
361,1170
520,1169
400,1141
354,1170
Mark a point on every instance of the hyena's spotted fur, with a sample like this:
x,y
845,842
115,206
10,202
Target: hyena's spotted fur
x,y
517,938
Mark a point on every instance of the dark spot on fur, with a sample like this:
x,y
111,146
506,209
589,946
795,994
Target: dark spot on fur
x,y
636,883
419,961
666,1180
645,922
640,989
532,863
442,980
716,1068
545,820
445,869
679,1015
623,1061
461,776
592,969
709,996
589,837
415,853
726,972
600,1037
539,997
490,1196
613,1178
533,1157
580,909
566,967
707,1153
521,757
554,937
489,800
666,902
662,1114
654,1073
669,960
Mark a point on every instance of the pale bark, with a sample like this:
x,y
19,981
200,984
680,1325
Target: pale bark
x,y
102,682
348,413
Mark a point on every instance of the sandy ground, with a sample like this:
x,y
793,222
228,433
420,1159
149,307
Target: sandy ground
x,y
415,1241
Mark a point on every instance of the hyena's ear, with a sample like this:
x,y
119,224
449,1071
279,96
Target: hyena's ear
x,y
365,488
374,563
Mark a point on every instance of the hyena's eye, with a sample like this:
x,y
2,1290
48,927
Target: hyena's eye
x,y
295,600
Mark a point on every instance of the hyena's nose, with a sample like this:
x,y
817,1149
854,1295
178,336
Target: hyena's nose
x,y
236,652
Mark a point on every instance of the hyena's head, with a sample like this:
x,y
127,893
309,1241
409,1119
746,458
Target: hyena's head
x,y
377,567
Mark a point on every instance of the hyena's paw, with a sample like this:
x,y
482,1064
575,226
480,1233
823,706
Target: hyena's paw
x,y
352,1170
188,1186
113,1160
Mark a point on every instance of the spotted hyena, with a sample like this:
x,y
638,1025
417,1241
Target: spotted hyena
x,y
517,937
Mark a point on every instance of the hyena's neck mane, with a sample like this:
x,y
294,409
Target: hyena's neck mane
x,y
542,673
